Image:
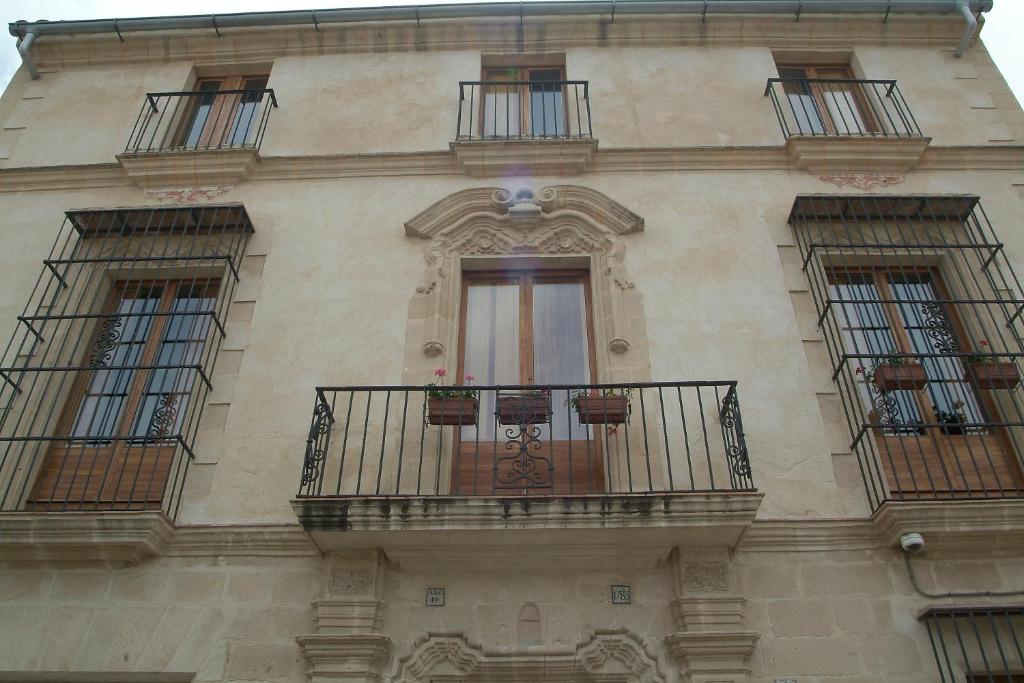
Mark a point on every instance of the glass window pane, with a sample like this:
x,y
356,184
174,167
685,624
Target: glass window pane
x,y
492,345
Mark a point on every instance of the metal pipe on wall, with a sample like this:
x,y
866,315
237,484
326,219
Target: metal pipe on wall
x,y
967,8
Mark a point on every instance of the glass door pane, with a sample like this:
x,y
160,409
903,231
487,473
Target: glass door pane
x,y
491,352
802,103
202,105
246,119
547,108
561,348
501,110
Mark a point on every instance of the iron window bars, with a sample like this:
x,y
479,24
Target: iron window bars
x,y
918,304
103,382
841,107
526,440
524,110
977,644
201,120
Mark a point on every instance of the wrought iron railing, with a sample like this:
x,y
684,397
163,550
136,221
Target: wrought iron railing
x,y
923,320
841,107
524,110
201,120
525,440
103,382
977,644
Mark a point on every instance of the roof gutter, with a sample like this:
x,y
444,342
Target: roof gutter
x,y
27,31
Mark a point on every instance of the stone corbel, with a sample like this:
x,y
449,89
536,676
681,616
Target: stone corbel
x,y
348,645
711,641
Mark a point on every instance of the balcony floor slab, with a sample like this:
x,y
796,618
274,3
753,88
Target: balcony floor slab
x,y
839,153
564,524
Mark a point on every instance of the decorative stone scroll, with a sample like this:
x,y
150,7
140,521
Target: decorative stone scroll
x,y
187,195
862,181
612,655
559,221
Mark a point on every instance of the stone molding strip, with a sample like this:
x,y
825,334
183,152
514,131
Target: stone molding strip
x,y
436,163
129,537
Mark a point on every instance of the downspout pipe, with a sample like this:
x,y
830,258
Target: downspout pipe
x,y
972,25
24,44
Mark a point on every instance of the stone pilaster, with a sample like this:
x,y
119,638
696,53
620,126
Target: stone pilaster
x,y
348,646
711,641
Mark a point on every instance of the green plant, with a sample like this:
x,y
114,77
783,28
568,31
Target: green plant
x,y
436,390
979,358
951,421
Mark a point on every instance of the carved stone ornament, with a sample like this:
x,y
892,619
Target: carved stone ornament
x,y
347,581
862,181
613,655
185,195
561,220
706,577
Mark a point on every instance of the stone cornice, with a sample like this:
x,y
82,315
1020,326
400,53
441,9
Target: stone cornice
x,y
498,34
286,540
809,535
442,163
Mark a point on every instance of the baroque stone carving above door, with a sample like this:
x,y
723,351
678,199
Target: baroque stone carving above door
x,y
561,221
613,656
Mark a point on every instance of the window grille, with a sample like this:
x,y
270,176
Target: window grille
x,y
103,382
921,315
980,644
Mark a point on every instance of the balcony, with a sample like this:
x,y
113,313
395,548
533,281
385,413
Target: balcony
x,y
198,137
655,461
535,126
846,124
921,315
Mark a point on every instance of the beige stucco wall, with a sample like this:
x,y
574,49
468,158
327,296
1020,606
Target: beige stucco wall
x,y
324,299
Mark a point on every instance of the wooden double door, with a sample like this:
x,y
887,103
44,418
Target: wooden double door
x,y
527,328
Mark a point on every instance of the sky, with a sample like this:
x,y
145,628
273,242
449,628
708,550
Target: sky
x,y
1001,33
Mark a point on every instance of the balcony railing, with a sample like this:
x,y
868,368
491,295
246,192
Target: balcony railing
x,y
524,110
201,120
841,107
525,440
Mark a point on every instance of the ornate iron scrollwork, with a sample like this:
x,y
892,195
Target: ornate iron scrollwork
x,y
106,341
164,417
736,445
316,453
937,325
523,469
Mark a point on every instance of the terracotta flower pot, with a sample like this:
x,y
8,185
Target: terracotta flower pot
x,y
905,376
595,410
455,410
530,409
994,375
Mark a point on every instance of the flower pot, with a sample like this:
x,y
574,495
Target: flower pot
x,y
524,409
455,410
905,376
994,375
596,410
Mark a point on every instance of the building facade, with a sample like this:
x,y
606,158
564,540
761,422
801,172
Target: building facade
x,y
599,341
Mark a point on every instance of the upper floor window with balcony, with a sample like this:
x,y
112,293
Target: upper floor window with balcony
x,y
222,112
520,98
216,113
828,100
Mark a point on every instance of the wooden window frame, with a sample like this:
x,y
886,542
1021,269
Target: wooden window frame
x,y
840,71
220,121
522,73
97,455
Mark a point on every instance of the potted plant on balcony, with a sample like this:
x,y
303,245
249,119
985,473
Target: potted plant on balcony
x,y
951,421
450,405
524,408
894,372
603,406
987,371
